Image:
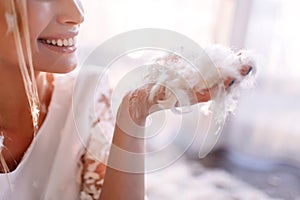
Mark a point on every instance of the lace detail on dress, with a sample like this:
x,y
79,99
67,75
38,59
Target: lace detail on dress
x,y
95,158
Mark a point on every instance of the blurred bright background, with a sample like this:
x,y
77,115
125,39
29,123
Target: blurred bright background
x,y
262,141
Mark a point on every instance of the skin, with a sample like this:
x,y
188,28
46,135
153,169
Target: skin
x,y
52,19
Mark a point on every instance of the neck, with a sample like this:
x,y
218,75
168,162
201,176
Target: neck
x,y
14,106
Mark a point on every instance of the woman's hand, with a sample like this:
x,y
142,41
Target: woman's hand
x,y
138,106
173,82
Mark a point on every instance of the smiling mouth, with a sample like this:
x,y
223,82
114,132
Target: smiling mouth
x,y
69,42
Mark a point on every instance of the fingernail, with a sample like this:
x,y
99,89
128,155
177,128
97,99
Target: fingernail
x,y
249,70
231,83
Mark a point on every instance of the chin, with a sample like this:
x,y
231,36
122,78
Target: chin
x,y
64,65
58,70
64,69
60,66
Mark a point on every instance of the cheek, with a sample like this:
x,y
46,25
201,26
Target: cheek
x,y
39,17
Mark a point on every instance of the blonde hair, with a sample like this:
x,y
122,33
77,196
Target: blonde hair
x,y
17,21
27,69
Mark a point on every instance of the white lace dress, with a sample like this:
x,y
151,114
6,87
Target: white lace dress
x,y
66,158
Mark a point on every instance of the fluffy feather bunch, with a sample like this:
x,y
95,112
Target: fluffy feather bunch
x,y
181,79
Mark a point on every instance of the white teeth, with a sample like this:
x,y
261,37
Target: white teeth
x,y
53,42
71,42
61,42
65,42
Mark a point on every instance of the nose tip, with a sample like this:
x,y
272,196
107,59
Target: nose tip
x,y
80,18
72,13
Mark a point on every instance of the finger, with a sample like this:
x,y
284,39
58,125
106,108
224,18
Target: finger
x,y
229,82
246,70
205,94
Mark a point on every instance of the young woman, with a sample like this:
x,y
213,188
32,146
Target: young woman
x,y
42,154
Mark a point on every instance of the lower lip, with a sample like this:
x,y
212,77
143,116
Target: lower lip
x,y
58,49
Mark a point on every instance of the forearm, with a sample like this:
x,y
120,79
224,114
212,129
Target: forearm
x,y
124,177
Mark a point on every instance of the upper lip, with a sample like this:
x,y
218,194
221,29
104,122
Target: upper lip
x,y
62,36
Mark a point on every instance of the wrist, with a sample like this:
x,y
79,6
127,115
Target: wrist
x,y
138,104
128,122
